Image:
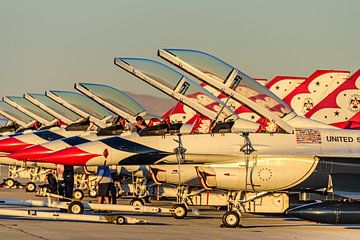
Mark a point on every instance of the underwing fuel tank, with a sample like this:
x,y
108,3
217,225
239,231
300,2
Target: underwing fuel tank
x,y
170,174
329,212
263,173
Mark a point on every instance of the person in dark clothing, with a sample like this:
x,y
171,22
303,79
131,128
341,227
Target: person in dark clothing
x,y
113,188
68,176
140,124
52,183
116,183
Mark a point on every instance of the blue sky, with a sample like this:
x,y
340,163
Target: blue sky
x,y
53,44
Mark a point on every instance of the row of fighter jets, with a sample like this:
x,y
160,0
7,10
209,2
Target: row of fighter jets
x,y
226,132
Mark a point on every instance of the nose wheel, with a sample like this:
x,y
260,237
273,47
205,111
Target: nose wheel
x,y
231,219
180,211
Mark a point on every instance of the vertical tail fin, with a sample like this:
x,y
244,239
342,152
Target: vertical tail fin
x,y
317,86
341,107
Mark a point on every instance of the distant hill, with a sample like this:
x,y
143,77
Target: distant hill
x,y
154,105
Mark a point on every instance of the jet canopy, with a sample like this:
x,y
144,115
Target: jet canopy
x,y
174,82
84,104
56,107
31,108
230,77
14,114
115,97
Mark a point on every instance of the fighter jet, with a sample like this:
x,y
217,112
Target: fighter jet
x,y
115,100
98,116
265,165
214,176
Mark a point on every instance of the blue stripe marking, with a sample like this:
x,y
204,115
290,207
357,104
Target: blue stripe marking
x,y
48,135
128,146
15,134
143,159
76,140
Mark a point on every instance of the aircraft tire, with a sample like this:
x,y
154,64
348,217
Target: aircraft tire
x,y
180,211
78,194
30,187
10,182
231,219
76,207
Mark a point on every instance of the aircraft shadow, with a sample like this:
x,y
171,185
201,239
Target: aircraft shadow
x,y
274,226
353,228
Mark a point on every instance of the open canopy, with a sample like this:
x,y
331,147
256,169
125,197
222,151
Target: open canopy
x,y
174,82
233,83
56,107
14,114
38,113
233,78
115,97
83,103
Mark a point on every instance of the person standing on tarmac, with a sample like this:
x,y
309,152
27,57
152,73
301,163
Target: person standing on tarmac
x,y
115,183
68,176
103,181
60,179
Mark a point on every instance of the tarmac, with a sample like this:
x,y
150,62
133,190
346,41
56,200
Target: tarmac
x,y
206,225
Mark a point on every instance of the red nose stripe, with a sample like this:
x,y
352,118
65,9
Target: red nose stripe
x,y
69,156
31,153
12,144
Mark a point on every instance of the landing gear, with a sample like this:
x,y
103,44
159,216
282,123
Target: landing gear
x,y
76,207
180,211
78,194
231,219
30,187
93,193
10,182
137,202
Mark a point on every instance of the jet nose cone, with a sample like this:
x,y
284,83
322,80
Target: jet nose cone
x,y
69,156
12,144
31,153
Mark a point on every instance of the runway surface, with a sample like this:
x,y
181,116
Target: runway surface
x,y
204,226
